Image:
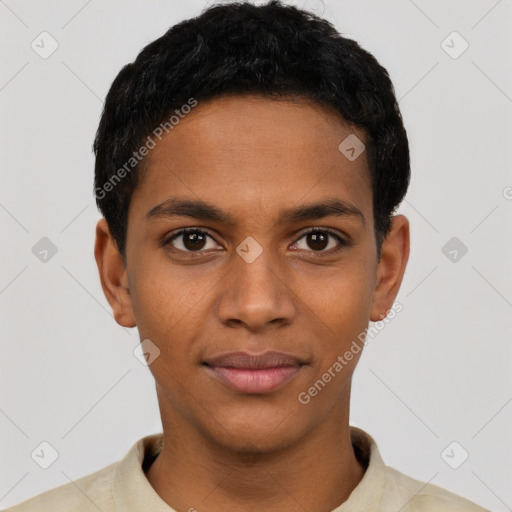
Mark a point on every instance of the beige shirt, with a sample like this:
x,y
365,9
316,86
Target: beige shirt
x,y
123,487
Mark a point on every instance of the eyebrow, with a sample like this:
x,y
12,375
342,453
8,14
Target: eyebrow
x,y
201,210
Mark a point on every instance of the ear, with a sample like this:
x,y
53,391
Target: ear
x,y
113,275
391,267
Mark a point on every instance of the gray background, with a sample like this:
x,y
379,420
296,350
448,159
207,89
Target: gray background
x,y
438,373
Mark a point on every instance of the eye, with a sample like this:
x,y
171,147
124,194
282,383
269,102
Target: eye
x,y
316,240
191,240
321,240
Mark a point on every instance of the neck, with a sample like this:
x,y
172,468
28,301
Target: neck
x,y
318,472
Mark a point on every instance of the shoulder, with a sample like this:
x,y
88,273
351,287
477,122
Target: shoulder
x,y
89,493
384,489
117,486
411,495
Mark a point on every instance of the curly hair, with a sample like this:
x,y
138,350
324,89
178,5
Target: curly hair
x,y
274,50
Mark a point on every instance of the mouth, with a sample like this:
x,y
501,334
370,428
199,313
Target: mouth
x,y
254,373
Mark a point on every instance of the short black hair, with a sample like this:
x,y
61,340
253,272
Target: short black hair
x,y
274,50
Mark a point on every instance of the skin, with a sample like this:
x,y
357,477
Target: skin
x,y
253,157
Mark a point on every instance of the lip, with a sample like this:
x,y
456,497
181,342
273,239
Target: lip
x,y
254,373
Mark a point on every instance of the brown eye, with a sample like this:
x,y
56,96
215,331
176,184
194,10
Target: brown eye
x,y
194,241
190,240
318,240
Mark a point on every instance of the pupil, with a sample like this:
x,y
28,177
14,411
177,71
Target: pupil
x,y
194,241
317,241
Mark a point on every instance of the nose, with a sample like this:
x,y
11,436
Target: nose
x,y
254,294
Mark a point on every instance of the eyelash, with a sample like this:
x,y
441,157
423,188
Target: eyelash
x,y
342,242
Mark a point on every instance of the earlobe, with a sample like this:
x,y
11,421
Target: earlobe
x,y
113,276
391,267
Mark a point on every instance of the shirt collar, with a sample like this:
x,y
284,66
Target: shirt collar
x,y
132,491
368,494
130,487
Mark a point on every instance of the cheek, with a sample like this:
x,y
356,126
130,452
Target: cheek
x,y
157,304
342,304
167,300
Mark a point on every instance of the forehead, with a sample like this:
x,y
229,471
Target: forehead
x,y
257,152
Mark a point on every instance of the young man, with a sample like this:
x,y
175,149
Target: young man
x,y
248,167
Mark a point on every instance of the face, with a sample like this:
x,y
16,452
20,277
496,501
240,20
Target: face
x,y
251,265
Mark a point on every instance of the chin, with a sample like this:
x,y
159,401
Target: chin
x,y
255,442
256,433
